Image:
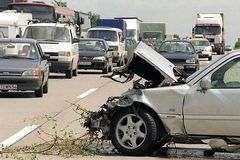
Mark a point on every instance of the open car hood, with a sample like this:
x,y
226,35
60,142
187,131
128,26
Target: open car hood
x,y
150,65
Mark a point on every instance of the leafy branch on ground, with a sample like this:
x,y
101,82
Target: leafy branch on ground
x,y
62,142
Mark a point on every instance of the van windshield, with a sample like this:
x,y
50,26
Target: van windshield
x,y
103,34
47,33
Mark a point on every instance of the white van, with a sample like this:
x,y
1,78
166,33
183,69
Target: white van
x,y
115,40
60,42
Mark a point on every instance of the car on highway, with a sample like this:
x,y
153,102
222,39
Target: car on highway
x,y
202,47
95,54
181,53
130,45
228,48
200,108
23,66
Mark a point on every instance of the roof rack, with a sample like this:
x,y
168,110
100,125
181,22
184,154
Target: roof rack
x,y
66,21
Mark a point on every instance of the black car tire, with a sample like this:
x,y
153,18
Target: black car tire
x,y
45,88
39,92
105,70
210,58
75,72
69,73
110,69
140,132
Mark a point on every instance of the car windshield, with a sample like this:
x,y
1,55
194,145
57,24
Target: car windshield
x,y
17,50
200,43
91,45
174,47
47,33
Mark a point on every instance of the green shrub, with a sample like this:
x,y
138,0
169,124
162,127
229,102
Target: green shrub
x,y
237,45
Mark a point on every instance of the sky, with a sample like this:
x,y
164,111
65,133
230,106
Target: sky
x,y
179,15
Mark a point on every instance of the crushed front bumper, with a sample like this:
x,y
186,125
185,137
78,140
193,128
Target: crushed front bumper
x,y
101,120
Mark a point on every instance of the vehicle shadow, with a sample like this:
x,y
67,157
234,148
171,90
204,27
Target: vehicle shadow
x,y
17,95
89,72
57,76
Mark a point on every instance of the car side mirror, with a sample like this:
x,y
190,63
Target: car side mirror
x,y
205,83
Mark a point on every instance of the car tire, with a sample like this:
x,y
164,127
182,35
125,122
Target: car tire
x,y
105,70
39,92
75,72
133,134
69,73
210,58
45,88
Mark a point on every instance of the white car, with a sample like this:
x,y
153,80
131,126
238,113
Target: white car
x,y
202,47
167,108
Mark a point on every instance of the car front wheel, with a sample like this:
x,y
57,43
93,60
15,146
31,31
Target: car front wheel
x,y
39,92
133,133
45,87
69,73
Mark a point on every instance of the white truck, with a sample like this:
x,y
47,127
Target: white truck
x,y
13,24
114,32
59,40
153,33
211,27
133,29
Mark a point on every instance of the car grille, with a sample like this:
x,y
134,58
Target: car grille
x,y
51,53
177,60
86,58
5,73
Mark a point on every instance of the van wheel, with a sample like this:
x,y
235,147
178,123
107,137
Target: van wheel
x,y
105,70
69,73
110,68
39,92
75,72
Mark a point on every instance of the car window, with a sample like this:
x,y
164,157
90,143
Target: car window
x,y
91,45
228,76
173,47
18,50
200,43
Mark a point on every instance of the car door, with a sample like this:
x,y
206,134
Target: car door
x,y
215,111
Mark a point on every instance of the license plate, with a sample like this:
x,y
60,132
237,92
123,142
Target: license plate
x,y
8,86
180,67
85,63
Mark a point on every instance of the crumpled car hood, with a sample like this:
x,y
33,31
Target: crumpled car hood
x,y
150,65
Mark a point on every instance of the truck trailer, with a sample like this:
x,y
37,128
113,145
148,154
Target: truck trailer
x,y
13,24
133,30
211,27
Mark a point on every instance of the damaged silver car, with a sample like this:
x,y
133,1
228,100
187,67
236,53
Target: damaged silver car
x,y
201,108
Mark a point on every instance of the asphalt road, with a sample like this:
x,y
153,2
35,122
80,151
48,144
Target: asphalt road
x,y
89,90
